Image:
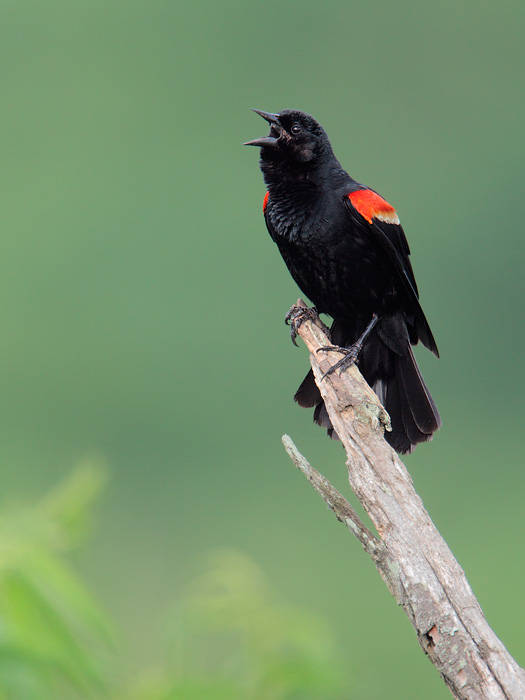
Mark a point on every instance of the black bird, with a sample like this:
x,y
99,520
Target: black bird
x,y
345,248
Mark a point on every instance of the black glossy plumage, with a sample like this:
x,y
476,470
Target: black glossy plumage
x,y
351,265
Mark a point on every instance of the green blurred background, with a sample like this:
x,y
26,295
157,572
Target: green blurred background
x,y
142,299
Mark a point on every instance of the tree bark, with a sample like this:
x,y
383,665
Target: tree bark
x,y
410,554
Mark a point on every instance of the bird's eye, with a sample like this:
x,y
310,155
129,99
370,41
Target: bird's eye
x,y
296,128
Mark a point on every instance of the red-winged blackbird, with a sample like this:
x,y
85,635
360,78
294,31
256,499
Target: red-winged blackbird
x,y
344,247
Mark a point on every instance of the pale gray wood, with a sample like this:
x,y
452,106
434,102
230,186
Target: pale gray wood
x,y
410,554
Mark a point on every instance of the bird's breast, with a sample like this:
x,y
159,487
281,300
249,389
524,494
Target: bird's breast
x,y
333,262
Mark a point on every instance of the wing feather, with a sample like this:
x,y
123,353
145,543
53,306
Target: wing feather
x,y
375,217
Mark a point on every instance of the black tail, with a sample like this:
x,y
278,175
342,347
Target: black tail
x,y
389,366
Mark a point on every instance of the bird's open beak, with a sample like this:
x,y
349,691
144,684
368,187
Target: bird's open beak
x,y
275,131
270,118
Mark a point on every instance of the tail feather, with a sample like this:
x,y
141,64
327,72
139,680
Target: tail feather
x,y
404,416
308,394
422,408
410,406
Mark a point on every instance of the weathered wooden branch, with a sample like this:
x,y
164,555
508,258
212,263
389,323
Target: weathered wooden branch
x,y
410,554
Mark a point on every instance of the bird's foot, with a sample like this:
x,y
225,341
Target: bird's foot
x,y
350,357
298,314
350,354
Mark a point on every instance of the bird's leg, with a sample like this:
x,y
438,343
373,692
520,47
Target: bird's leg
x,y
350,354
298,314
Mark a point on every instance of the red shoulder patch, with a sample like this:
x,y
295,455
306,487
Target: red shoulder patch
x,y
265,201
372,206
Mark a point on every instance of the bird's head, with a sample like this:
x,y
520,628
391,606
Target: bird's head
x,y
294,136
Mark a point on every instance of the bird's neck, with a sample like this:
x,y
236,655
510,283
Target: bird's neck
x,y
283,176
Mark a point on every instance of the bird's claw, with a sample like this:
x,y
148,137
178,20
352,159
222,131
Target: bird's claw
x,y
351,353
350,357
297,315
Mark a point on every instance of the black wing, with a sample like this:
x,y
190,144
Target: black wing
x,y
391,238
